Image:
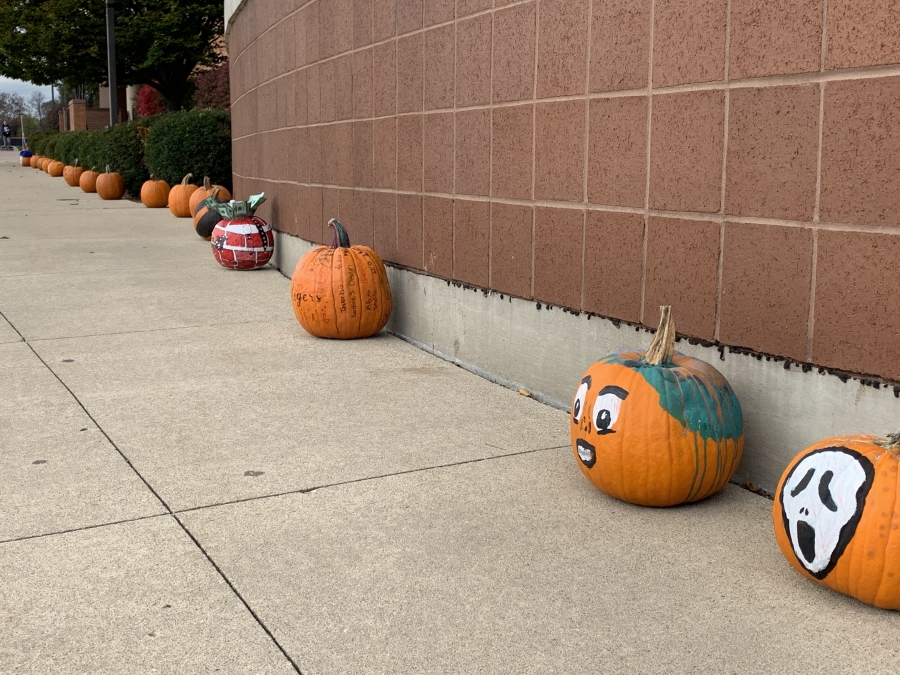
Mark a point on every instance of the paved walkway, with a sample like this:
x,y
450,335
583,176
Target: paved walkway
x,y
191,484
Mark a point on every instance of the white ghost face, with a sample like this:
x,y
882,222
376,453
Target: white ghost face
x,y
822,501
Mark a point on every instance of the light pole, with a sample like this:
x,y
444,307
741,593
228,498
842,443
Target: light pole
x,y
111,55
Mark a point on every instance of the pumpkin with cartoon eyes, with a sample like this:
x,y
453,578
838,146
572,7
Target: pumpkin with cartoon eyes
x,y
656,428
835,519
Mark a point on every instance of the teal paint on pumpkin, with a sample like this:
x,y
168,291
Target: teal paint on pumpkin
x,y
706,407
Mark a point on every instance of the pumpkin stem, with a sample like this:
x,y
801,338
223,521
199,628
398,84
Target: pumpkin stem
x,y
107,168
186,179
891,441
206,184
341,238
662,349
76,162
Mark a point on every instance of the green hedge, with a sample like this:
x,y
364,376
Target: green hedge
x,y
196,141
169,145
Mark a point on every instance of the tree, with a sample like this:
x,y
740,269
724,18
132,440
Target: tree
x,y
36,103
158,42
12,107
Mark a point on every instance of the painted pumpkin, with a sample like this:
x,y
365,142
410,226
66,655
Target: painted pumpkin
x,y
72,174
110,185
240,240
341,291
56,169
656,428
88,180
836,519
155,193
204,192
205,218
180,198
25,160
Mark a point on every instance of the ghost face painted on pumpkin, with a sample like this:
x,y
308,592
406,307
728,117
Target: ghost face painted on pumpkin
x,y
822,501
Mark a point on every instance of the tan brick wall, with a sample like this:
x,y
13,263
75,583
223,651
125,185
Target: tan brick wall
x,y
739,160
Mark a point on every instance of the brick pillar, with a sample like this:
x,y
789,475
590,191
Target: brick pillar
x,y
77,115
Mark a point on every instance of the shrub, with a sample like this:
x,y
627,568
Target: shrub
x,y
196,141
39,143
148,101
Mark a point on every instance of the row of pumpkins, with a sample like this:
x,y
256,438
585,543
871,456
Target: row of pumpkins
x,y
183,199
652,427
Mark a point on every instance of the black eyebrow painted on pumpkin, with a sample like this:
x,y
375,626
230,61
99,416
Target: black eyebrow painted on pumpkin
x,y
801,486
586,380
613,389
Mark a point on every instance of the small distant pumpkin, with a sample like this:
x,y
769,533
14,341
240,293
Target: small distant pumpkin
x,y
836,516
110,185
205,191
341,291
155,193
180,197
33,163
72,174
44,161
205,218
88,180
56,169
655,427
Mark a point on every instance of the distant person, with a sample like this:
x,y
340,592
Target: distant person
x,y
6,132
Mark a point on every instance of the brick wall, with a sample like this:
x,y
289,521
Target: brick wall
x,y
739,160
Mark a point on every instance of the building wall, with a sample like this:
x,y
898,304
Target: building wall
x,y
737,160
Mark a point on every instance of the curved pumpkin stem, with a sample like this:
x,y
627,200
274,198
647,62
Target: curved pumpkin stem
x,y
93,167
341,238
76,162
662,349
215,193
186,179
891,441
207,185
107,169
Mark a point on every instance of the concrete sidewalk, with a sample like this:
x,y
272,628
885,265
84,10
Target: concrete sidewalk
x,y
189,483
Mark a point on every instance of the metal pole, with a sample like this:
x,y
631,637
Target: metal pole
x,y
111,54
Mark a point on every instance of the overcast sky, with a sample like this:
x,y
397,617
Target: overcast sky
x,y
23,89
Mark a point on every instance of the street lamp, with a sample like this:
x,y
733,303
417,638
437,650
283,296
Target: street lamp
x,y
111,55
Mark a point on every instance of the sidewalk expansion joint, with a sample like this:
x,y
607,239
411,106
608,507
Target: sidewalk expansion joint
x,y
83,529
154,330
101,429
238,594
304,491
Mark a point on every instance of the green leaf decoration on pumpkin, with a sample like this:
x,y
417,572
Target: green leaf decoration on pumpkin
x,y
235,209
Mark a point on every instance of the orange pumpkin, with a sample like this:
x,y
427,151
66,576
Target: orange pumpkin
x,y
205,191
56,169
25,161
43,162
155,193
206,219
72,174
656,428
180,198
836,517
110,185
341,291
34,161
88,180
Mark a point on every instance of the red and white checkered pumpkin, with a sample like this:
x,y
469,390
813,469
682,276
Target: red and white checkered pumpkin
x,y
241,241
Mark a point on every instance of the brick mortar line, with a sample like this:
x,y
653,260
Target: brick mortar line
x,y
794,79
727,96
587,147
648,165
607,208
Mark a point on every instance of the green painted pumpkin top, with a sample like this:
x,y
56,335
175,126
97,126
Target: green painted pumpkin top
x,y
691,391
